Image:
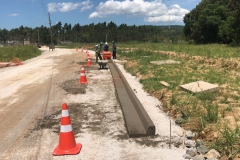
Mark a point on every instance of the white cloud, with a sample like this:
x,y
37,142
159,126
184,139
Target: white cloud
x,y
68,6
85,8
152,11
13,15
86,5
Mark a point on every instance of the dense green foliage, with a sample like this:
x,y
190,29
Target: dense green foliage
x,y
25,52
214,21
92,33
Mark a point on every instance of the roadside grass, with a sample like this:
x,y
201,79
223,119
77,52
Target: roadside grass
x,y
209,51
202,112
9,53
230,138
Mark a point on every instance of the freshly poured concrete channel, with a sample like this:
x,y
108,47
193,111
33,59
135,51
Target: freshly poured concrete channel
x,y
138,122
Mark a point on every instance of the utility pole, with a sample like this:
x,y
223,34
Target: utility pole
x,y
58,38
50,31
38,36
106,36
168,20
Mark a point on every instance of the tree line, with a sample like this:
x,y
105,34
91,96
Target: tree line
x,y
214,21
92,33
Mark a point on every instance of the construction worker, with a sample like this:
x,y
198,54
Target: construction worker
x,y
98,52
114,47
105,48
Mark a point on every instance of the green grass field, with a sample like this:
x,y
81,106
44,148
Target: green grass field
x,y
204,112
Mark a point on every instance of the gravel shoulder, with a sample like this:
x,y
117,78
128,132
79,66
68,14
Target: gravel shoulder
x,y
30,108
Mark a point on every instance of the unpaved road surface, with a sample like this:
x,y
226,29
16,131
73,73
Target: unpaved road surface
x,y
31,96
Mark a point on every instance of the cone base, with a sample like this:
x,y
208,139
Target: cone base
x,y
83,83
57,151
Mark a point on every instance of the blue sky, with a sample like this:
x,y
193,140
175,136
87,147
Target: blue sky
x,y
34,13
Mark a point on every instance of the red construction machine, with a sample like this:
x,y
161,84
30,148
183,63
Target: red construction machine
x,y
107,55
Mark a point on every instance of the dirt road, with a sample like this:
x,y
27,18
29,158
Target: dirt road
x,y
30,109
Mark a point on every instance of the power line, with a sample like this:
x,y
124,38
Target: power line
x,y
42,4
50,31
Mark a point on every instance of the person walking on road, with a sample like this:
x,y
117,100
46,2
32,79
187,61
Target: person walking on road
x,y
114,46
98,52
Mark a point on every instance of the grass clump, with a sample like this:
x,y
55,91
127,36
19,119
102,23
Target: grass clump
x,y
230,138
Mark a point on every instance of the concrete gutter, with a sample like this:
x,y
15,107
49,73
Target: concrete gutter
x,y
138,122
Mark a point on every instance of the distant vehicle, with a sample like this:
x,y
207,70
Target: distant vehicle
x,y
37,44
52,47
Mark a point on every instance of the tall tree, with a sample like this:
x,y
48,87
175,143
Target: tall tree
x,y
213,21
76,31
4,36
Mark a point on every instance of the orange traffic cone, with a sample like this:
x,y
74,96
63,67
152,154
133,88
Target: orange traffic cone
x,y
83,78
88,55
67,143
89,62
